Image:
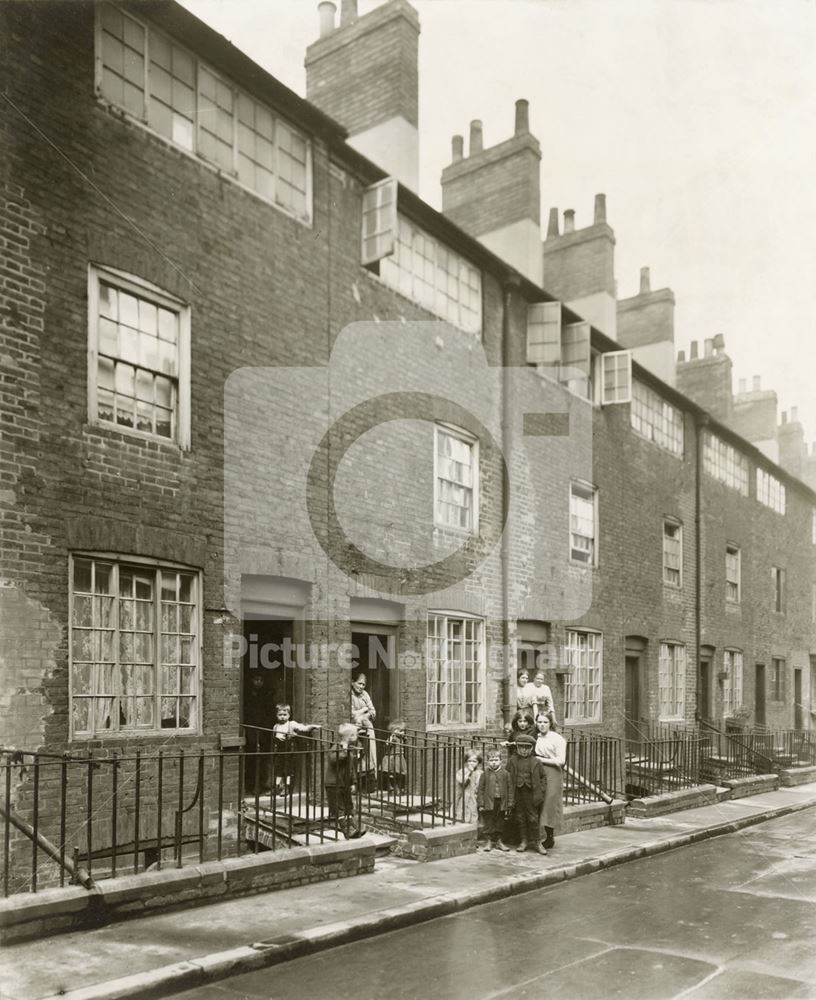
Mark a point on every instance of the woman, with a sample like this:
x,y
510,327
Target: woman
x,y
363,714
551,750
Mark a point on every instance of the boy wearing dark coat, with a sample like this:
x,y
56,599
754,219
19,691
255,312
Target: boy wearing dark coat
x,y
492,797
527,783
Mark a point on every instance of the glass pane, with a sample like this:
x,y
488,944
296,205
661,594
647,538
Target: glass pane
x,y
81,677
144,586
108,337
186,650
169,585
185,710
124,379
82,611
126,649
82,715
148,318
82,575
143,648
169,649
167,357
186,618
187,680
144,616
104,405
144,417
106,647
82,646
144,712
168,713
164,423
183,65
105,612
169,679
148,351
103,713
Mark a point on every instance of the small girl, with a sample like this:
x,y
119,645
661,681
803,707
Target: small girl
x,y
526,693
466,807
522,723
394,766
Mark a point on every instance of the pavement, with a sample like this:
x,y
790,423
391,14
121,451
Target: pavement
x,y
166,953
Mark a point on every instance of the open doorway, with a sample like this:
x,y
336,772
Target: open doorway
x,y
759,694
375,656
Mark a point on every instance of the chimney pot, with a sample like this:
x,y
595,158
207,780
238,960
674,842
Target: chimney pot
x,y
476,137
794,414
600,208
326,10
743,385
756,383
522,115
693,352
569,220
458,147
708,346
719,342
645,281
784,416
681,357
348,12
552,223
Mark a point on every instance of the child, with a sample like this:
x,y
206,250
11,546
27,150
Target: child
x,y
526,693
544,704
527,784
522,723
340,779
492,798
466,809
393,764
283,744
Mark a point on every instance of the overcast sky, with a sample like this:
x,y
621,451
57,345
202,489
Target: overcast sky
x,y
697,118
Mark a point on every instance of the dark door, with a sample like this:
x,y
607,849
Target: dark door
x,y
704,690
631,705
759,694
798,714
375,656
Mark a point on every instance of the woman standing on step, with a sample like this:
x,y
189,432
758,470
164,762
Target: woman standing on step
x,y
551,750
363,714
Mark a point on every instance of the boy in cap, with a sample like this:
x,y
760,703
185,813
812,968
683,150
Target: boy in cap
x,y
527,782
492,798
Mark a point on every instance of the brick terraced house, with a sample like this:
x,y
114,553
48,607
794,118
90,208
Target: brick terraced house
x,y
268,418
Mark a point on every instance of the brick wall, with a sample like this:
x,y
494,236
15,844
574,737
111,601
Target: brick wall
x,y
580,263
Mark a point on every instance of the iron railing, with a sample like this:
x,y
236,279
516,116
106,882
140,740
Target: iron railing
x,y
657,764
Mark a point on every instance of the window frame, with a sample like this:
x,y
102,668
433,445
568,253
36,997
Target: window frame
x,y
572,720
143,290
440,707
733,666
143,121
770,491
673,522
117,560
668,418
778,578
725,463
672,668
472,442
621,390
586,487
776,688
733,550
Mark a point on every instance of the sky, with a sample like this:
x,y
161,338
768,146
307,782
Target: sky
x,y
697,118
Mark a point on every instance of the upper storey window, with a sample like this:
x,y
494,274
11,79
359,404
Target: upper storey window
x,y
725,463
656,420
418,265
770,491
179,97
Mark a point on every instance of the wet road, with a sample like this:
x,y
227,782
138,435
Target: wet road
x,y
733,917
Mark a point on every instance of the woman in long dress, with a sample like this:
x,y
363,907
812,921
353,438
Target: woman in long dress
x,y
363,714
551,750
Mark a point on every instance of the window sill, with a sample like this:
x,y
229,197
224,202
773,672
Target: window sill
x,y
454,727
157,737
127,434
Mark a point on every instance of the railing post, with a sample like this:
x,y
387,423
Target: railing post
x,y
6,827
179,811
201,806
137,806
36,824
220,800
89,815
114,811
159,791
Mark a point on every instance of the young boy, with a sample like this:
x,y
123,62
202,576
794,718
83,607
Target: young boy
x,y
283,744
492,797
527,782
340,779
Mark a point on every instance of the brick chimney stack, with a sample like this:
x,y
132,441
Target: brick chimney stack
x,y
646,327
494,194
578,266
364,74
707,379
792,448
754,417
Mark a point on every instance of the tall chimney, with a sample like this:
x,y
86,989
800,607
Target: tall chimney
x,y
645,281
569,220
754,417
794,414
495,194
552,223
476,138
326,11
708,347
348,12
742,385
364,74
457,148
757,380
600,208
522,116
693,351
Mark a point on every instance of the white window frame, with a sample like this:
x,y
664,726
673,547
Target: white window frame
x,y
770,491
656,420
620,390
675,540
473,443
145,291
438,707
305,217
733,580
777,679
732,685
543,333
117,562
723,462
380,223
671,686
583,491
579,706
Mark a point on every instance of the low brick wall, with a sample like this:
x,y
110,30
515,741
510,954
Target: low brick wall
x,y
53,910
438,843
790,776
686,798
590,815
754,784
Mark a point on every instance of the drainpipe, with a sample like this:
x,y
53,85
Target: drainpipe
x,y
700,424
511,283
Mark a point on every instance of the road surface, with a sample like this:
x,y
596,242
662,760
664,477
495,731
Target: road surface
x,y
732,917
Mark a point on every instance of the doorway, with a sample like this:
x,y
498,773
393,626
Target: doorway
x,y
631,701
704,689
759,694
798,714
375,656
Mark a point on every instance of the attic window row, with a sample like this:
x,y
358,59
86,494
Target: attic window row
x,y
174,94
